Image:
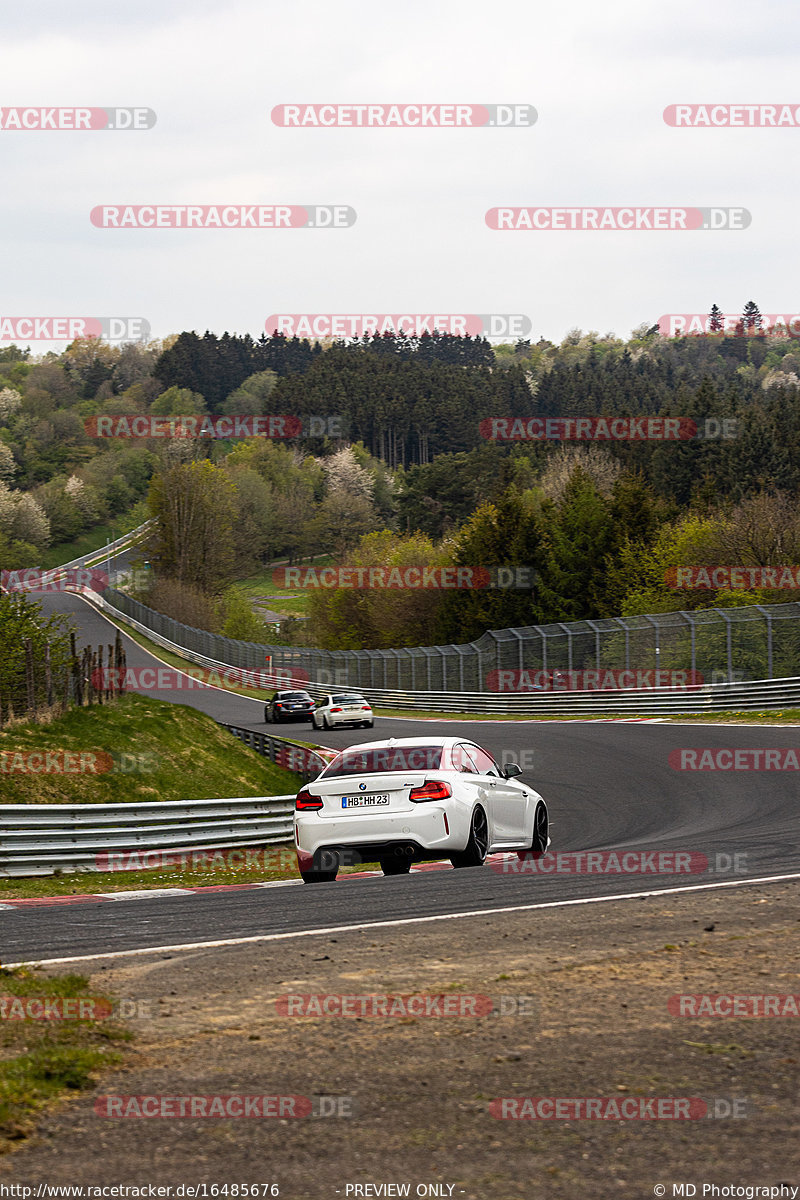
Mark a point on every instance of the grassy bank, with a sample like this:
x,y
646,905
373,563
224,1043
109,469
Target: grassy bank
x,y
94,539
145,749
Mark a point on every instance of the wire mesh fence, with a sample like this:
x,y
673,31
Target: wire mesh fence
x,y
671,649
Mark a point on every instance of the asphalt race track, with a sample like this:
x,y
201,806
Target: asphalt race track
x,y
609,786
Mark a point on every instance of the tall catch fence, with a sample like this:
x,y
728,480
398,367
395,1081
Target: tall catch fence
x,y
672,649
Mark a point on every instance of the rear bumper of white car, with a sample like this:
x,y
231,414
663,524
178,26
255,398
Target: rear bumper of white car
x,y
370,837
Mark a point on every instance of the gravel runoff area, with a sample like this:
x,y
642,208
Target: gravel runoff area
x,y
581,1009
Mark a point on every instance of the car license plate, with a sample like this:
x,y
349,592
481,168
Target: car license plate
x,y
374,801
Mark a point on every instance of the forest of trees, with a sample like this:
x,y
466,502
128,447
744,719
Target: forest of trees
x,y
412,473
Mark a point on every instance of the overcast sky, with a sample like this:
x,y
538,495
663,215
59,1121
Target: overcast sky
x,y
599,76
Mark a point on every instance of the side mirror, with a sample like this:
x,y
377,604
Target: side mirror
x,y
511,769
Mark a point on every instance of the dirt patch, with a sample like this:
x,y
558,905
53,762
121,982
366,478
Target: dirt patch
x,y
595,1021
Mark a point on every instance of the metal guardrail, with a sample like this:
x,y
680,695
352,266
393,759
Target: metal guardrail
x,y
94,557
119,544
303,760
38,839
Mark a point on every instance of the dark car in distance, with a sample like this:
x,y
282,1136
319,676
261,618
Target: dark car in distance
x,y
288,706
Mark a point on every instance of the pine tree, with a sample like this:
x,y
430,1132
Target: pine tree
x,y
715,322
751,317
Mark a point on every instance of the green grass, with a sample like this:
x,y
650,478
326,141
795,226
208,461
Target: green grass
x,y
185,664
41,1060
94,539
279,864
85,883
289,602
172,753
786,716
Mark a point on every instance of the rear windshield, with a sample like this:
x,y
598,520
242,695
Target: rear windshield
x,y
293,696
348,700
384,758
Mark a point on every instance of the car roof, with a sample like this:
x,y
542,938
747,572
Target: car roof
x,y
395,743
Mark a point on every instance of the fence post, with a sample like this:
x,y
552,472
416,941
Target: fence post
x,y
29,679
48,674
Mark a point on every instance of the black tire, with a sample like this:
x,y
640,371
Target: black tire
x,y
325,868
541,833
398,864
267,715
325,724
478,845
369,724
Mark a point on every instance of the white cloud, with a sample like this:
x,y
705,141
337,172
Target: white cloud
x,y
599,76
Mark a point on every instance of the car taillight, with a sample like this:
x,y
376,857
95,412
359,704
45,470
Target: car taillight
x,y
365,708
434,789
304,801
335,710
278,704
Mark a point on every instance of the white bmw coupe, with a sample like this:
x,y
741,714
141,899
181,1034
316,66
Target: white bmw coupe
x,y
413,800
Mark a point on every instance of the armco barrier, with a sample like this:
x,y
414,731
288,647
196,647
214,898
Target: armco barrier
x,y
38,839
121,543
301,759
